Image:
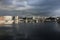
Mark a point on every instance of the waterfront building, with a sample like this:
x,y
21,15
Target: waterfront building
x,y
58,19
29,19
21,20
8,20
8,17
2,20
37,19
16,19
50,19
34,19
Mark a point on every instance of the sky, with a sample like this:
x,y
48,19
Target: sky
x,y
30,7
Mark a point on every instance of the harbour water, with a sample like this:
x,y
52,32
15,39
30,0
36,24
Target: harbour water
x,y
30,31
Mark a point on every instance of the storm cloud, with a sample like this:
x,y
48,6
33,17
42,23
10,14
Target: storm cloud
x,y
30,7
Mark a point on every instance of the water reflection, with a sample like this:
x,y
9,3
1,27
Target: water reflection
x,y
57,27
31,31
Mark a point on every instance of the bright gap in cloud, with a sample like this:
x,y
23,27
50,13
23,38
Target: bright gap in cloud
x,y
56,12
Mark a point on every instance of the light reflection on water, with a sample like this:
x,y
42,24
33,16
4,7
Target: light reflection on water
x,y
57,27
32,31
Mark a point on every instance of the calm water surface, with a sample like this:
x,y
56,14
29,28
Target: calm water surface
x,y
30,31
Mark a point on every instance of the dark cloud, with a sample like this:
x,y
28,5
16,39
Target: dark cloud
x,y
40,7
